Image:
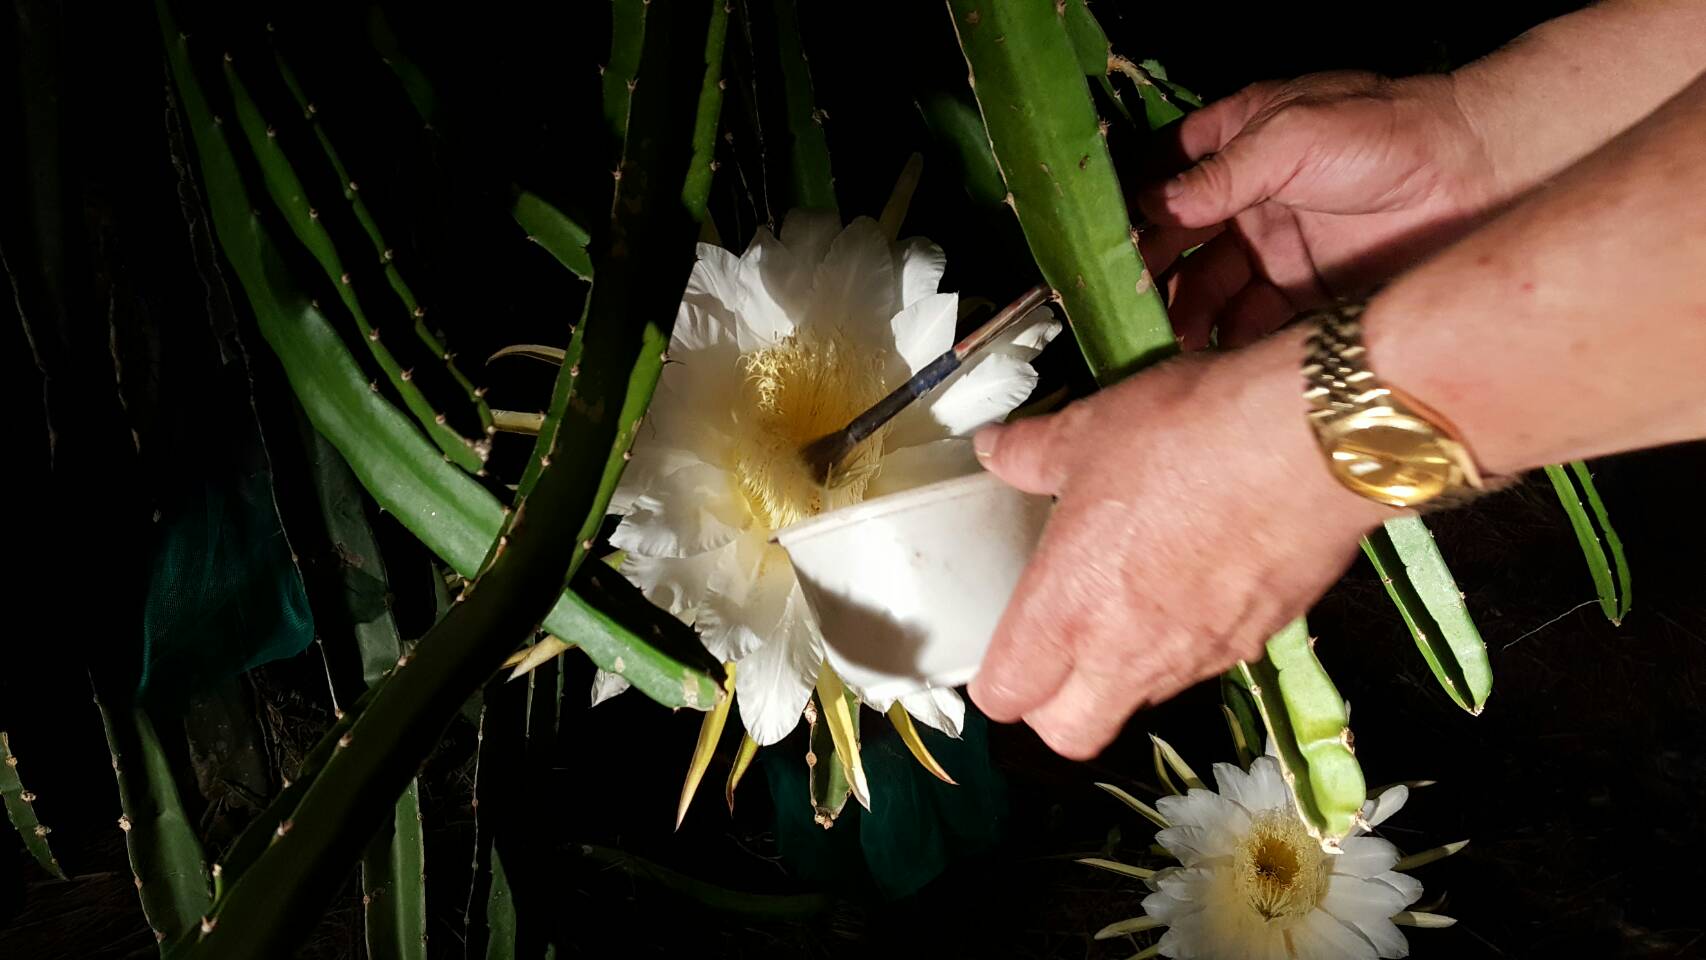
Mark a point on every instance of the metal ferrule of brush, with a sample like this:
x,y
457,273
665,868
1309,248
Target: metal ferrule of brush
x,y
822,454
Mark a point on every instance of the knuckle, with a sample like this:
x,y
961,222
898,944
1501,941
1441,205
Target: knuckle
x,y
1214,175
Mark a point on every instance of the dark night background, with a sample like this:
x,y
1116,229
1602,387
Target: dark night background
x,y
1580,787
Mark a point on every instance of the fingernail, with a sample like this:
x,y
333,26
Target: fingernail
x,y
983,443
1173,188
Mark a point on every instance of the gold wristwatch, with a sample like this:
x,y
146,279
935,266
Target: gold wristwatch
x,y
1380,443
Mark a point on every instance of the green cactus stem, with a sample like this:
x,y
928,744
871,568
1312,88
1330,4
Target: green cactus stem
x,y
1095,53
551,229
165,854
1416,578
383,252
545,225
451,513
393,884
1243,718
811,182
264,828
20,808
299,211
480,867
826,776
1311,733
1051,150
641,263
1614,594
1029,78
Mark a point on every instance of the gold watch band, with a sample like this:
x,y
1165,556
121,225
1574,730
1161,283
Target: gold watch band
x,y
1380,443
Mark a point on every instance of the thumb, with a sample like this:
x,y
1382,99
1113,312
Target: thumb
x,y
1030,454
1250,169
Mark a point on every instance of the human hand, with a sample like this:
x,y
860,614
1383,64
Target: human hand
x,y
1308,189
1195,518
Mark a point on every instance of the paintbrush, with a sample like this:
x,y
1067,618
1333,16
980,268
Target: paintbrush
x,y
826,452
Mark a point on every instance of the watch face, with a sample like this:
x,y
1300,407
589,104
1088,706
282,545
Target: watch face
x,y
1392,457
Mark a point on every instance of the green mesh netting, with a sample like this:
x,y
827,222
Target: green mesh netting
x,y
223,592
917,825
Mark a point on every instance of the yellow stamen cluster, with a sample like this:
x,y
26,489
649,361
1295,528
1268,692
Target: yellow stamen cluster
x,y
1279,868
797,391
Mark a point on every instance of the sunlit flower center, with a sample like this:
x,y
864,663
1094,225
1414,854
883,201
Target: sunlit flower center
x,y
797,391
1279,868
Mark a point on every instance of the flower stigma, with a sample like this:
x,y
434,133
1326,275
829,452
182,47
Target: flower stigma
x,y
798,390
1279,868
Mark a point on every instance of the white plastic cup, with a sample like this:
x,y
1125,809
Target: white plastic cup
x,y
908,588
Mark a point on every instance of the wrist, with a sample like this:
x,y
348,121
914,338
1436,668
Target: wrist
x,y
1455,108
1415,342
1270,385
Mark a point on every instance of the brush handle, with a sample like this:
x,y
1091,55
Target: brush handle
x,y
939,369
902,396
824,453
1000,323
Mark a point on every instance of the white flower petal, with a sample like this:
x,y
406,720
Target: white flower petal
x,y
1205,809
911,467
683,513
745,598
1215,922
1241,788
983,391
1176,943
692,409
710,307
1164,907
808,234
775,681
924,330
1196,845
606,685
1181,892
676,584
856,291
1028,337
922,264
1390,801
1265,789
775,289
1408,887
1368,906
939,707
879,704
1364,857
651,463
1388,940
1353,899
1319,936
